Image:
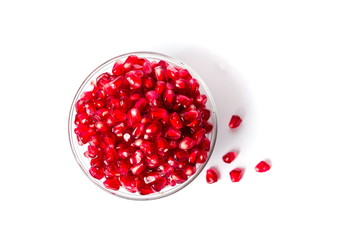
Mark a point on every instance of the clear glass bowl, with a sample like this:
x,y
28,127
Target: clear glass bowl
x,y
78,150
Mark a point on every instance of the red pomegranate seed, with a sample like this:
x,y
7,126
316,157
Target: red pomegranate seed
x,y
183,100
152,177
160,87
179,177
236,174
186,143
175,121
207,126
124,166
153,99
193,156
112,170
138,168
112,183
190,170
162,145
181,85
134,116
172,72
205,144
198,135
128,182
229,157
158,113
148,83
235,121
141,103
158,185
181,155
96,173
159,73
137,157
120,128
202,157
263,166
145,189
130,61
138,130
153,161
118,68
211,176
154,128
172,134
169,98
193,85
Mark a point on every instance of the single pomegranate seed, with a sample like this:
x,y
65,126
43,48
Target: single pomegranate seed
x,y
147,68
148,83
198,135
124,167
125,153
112,183
186,143
175,121
160,87
138,168
193,85
201,100
236,174
193,155
160,73
172,72
190,170
152,177
92,152
158,113
211,176
137,157
181,155
97,162
138,130
153,161
205,144
120,128
134,116
141,103
179,177
202,157
154,128
207,126
181,85
173,134
118,68
128,182
162,145
183,73
235,121
183,100
112,170
96,173
145,189
229,157
169,98
129,62
263,166
153,99
158,185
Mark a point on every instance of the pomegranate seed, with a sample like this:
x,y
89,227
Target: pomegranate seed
x,y
137,157
92,152
160,73
118,68
193,156
198,135
179,177
236,174
153,161
147,68
129,62
181,85
169,98
211,176
96,173
148,83
193,85
120,128
181,155
202,157
97,163
138,130
186,143
235,121
172,72
162,145
134,116
229,157
263,166
153,98
201,100
154,128
173,134
141,103
175,121
183,100
112,183
145,189
158,113
158,185
112,171
152,177
124,167
138,168
205,144
183,73
190,170
160,87
207,126
128,182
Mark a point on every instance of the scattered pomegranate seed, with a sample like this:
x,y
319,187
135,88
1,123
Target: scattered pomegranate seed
x,y
145,125
235,121
236,174
211,176
229,157
263,166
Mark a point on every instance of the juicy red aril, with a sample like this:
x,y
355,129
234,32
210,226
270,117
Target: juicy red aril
x,y
263,166
172,134
145,124
211,176
112,183
235,121
236,174
96,173
186,143
229,157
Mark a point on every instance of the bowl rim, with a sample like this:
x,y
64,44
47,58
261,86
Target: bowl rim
x,y
173,189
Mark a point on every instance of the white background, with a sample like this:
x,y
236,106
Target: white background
x,y
290,68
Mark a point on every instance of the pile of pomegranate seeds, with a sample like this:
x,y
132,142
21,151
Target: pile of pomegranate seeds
x,y
263,166
235,121
145,126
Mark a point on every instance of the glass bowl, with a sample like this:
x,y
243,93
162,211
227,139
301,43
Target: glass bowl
x,y
78,150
